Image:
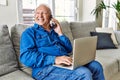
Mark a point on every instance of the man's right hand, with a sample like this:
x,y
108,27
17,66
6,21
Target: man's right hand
x,y
63,60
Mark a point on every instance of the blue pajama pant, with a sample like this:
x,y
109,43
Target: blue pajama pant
x,y
91,71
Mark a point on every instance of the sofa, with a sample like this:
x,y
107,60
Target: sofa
x,y
12,69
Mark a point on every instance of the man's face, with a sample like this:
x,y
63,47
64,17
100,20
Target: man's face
x,y
42,15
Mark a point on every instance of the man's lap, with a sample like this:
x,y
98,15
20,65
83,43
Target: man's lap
x,y
53,73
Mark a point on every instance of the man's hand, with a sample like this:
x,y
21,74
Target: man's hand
x,y
57,29
63,60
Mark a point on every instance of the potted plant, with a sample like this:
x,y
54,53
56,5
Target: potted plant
x,y
102,6
99,8
116,6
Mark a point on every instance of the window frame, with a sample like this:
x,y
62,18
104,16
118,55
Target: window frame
x,y
52,6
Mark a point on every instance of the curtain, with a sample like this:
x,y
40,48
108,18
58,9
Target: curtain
x,y
109,17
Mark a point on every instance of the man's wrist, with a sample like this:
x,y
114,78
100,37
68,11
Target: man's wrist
x,y
60,34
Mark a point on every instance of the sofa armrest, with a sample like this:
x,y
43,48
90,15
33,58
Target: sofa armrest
x,y
117,34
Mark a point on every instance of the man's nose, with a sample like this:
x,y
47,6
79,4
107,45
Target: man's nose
x,y
41,15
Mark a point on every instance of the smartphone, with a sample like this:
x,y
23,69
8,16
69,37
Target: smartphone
x,y
52,24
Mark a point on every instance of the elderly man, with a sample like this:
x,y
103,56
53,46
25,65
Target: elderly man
x,y
41,46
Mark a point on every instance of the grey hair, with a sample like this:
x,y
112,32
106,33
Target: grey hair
x,y
45,5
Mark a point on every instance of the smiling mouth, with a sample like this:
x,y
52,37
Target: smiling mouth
x,y
40,19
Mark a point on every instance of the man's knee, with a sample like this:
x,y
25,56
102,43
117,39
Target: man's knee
x,y
95,66
83,71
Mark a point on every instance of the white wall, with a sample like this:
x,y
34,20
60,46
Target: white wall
x,y
80,9
8,14
112,17
88,6
84,8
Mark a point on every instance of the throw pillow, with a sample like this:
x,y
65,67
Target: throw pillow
x,y
8,62
104,40
108,30
16,32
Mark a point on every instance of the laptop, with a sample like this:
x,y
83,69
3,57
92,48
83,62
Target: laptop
x,y
84,51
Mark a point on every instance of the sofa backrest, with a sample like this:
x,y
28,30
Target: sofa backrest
x,y
67,30
72,30
82,29
16,32
8,62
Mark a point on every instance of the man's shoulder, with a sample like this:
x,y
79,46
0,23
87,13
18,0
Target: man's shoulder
x,y
29,30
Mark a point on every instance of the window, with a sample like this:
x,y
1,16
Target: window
x,y
65,10
109,16
28,11
61,9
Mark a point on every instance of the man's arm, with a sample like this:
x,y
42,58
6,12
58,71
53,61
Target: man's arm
x,y
63,47
66,43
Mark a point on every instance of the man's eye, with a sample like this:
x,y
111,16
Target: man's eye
x,y
41,13
37,12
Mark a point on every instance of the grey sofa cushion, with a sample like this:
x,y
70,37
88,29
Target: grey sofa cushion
x,y
117,34
110,66
27,70
8,62
82,29
16,75
66,30
110,59
16,32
